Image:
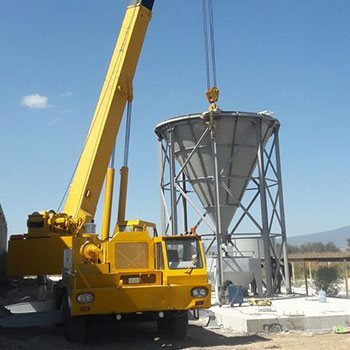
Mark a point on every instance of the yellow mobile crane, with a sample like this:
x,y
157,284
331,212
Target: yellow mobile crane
x,y
134,271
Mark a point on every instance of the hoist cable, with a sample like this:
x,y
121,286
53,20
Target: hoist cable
x,y
67,188
212,92
212,39
205,35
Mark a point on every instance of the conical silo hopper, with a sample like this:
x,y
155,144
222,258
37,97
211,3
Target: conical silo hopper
x,y
237,136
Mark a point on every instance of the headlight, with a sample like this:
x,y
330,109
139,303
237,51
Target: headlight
x,y
85,298
199,292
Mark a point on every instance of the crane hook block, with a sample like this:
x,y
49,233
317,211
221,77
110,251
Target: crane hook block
x,y
212,96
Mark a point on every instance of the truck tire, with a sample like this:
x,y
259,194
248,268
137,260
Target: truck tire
x,y
179,325
74,326
163,324
57,294
174,324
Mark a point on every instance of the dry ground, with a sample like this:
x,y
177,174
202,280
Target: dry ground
x,y
144,336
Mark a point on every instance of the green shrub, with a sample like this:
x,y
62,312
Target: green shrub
x,y
327,278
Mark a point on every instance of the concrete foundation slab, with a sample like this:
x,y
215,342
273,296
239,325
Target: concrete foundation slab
x,y
33,319
29,307
297,313
30,314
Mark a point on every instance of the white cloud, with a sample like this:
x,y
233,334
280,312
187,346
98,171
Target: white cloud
x,y
35,101
66,94
53,121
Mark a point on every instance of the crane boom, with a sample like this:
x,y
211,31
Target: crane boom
x,y
116,91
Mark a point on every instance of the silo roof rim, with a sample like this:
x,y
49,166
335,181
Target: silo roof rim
x,y
224,113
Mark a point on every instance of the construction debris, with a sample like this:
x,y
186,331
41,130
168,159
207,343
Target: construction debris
x,y
259,302
341,329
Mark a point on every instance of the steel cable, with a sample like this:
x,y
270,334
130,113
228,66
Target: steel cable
x,y
205,36
209,42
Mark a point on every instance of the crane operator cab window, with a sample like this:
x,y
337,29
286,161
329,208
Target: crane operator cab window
x,y
183,254
151,230
130,228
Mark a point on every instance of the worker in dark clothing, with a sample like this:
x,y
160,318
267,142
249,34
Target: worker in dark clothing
x,y
273,271
279,280
280,275
253,287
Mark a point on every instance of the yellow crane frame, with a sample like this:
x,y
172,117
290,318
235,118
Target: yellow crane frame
x,y
130,273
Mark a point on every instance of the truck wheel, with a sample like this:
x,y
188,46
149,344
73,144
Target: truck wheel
x,y
74,326
174,324
179,325
57,294
163,324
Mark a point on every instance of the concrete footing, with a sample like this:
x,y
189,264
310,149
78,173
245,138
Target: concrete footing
x,y
30,314
298,313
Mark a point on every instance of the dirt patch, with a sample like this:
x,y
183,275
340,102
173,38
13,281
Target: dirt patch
x,y
134,336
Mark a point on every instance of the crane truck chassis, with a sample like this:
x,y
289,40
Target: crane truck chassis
x,y
133,270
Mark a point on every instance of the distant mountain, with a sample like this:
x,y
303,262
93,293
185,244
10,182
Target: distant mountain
x,y
338,236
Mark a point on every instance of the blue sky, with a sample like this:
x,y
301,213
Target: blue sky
x,y
291,57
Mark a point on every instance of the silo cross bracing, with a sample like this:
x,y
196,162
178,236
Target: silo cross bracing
x,y
216,153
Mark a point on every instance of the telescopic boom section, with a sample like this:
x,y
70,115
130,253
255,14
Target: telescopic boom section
x,y
116,91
